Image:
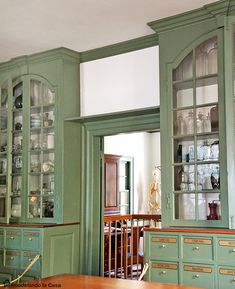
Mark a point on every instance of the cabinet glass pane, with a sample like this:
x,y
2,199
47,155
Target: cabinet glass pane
x,y
17,148
184,178
185,206
183,94
209,206
196,161
183,122
208,176
206,58
207,119
3,148
42,133
185,69
206,90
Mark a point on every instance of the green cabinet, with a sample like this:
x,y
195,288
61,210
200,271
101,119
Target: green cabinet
x,y
39,164
52,242
197,116
202,258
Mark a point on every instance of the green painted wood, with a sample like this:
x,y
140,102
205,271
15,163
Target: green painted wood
x,y
58,69
92,131
119,48
204,271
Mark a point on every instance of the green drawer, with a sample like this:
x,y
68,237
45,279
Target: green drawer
x,y
226,277
13,239
197,248
164,246
226,250
12,259
164,272
1,238
27,259
31,240
198,276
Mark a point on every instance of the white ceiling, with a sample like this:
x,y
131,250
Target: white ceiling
x,y
29,26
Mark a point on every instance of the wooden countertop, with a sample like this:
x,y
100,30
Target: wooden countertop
x,y
29,225
192,230
68,281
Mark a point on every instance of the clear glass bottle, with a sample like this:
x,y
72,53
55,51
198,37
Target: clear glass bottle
x,y
190,123
207,123
180,125
199,123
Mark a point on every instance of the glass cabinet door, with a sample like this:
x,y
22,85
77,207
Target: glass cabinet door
x,y
195,141
17,148
41,153
4,149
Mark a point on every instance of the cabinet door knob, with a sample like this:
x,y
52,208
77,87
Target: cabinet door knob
x,y
12,238
30,239
196,276
163,246
12,258
196,248
233,280
233,250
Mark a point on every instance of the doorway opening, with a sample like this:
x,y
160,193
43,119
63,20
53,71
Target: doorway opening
x,y
129,162
93,130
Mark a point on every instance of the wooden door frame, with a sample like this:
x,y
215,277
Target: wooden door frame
x,y
92,131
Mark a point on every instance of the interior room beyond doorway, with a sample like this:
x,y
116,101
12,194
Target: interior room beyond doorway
x,y
144,149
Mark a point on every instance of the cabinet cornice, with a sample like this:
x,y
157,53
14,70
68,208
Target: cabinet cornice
x,y
207,12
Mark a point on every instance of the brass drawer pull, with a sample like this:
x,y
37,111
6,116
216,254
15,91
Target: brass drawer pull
x,y
163,272
196,276
163,246
196,248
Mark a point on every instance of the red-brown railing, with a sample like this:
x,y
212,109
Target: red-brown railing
x,y
123,244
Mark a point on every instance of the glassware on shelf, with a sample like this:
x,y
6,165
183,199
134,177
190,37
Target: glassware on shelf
x,y
214,118
206,151
215,178
190,122
199,123
207,123
16,207
212,59
180,125
179,153
215,150
201,62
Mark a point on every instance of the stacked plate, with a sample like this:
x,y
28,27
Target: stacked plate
x,y
35,121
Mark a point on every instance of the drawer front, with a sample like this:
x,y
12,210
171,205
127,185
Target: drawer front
x,y
13,239
12,259
226,277
164,246
197,248
226,250
1,238
198,276
164,272
31,240
27,259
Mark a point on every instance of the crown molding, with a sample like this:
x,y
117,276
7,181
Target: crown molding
x,y
119,48
206,13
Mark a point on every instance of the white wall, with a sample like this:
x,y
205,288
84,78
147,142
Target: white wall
x,y
145,149
123,82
